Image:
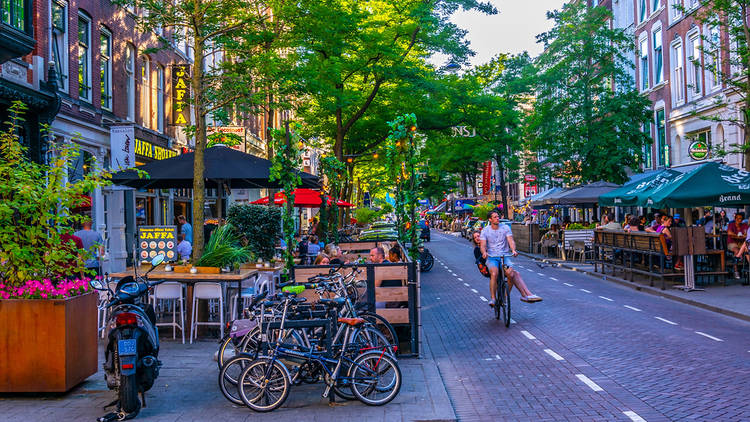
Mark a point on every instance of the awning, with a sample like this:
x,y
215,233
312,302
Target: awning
x,y
303,198
581,195
635,193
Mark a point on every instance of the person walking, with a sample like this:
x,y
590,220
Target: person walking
x,y
186,228
94,244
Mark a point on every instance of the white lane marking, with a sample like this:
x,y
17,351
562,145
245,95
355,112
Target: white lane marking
x,y
497,357
487,358
474,290
709,336
666,320
540,274
594,386
460,279
528,335
553,354
568,284
466,284
632,307
513,321
606,298
484,299
584,290
553,279
634,416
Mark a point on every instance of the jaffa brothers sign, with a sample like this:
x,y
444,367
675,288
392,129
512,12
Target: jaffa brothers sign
x,y
180,94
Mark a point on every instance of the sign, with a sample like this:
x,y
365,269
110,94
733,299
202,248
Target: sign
x,y
153,240
180,94
698,150
236,130
529,189
486,177
529,178
463,131
122,142
154,152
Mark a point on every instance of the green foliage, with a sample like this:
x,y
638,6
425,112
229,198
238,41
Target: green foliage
x,y
482,210
35,204
224,249
335,174
228,139
286,161
365,216
259,224
585,129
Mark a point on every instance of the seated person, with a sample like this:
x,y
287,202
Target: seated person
x,y
744,249
334,254
377,255
184,248
322,259
634,225
394,254
313,248
736,235
478,259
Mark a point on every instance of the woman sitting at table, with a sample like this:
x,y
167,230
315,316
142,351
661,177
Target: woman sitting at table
x,y
322,259
394,254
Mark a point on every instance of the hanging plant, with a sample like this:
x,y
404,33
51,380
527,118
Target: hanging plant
x,y
285,163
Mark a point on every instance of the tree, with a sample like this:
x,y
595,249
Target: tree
x,y
587,118
207,26
727,61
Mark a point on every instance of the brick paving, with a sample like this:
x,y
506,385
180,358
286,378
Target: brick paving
x,y
658,370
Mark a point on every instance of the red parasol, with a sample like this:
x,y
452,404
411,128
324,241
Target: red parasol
x,y
303,198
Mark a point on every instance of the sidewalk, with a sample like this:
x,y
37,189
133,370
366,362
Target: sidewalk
x,y
733,300
187,390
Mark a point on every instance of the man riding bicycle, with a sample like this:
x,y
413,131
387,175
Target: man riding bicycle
x,y
497,245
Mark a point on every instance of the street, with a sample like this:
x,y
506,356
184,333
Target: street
x,y
592,350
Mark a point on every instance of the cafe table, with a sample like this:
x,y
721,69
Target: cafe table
x,y
190,279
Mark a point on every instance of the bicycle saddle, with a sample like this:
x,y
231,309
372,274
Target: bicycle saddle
x,y
337,302
352,321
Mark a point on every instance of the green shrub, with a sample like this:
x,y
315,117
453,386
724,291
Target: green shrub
x,y
260,225
365,216
482,210
224,249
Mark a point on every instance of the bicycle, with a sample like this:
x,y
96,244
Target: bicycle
x,y
502,295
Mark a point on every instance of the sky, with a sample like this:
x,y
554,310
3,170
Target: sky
x,y
512,30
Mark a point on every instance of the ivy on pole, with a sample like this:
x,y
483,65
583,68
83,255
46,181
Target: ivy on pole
x,y
285,165
335,175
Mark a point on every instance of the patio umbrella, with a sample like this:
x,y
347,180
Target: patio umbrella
x,y
710,184
303,198
538,199
222,165
586,194
637,192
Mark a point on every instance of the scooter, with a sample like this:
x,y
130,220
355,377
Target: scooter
x,y
130,359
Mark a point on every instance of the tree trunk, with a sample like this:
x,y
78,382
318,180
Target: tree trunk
x,y
270,117
199,166
338,146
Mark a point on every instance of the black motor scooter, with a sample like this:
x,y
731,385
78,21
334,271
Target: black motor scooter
x,y
130,359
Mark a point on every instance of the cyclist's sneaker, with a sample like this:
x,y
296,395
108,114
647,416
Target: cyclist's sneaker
x,y
531,298
492,303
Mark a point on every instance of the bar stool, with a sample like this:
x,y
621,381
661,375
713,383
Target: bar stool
x,y
206,291
172,291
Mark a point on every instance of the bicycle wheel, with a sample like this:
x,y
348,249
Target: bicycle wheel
x,y
506,304
230,373
375,378
382,325
264,385
499,294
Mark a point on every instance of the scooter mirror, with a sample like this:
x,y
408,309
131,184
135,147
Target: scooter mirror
x,y
97,284
158,259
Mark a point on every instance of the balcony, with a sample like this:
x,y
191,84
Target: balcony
x,y
16,29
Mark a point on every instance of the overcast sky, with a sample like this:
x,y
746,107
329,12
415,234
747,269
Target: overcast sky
x,y
513,30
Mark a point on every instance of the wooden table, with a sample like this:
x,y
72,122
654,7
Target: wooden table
x,y
190,279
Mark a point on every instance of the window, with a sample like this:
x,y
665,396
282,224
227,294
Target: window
x,y
712,59
642,10
647,149
678,86
105,68
130,85
146,92
13,13
654,5
658,58
59,42
84,58
694,74
662,151
644,63
674,10
160,100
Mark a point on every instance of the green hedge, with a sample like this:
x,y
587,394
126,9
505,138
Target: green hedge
x,y
259,224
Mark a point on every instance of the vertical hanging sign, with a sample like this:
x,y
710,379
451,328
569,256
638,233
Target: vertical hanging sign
x,y
122,139
180,94
486,177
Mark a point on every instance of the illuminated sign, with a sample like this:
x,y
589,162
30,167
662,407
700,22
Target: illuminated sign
x,y
154,152
180,94
698,150
155,240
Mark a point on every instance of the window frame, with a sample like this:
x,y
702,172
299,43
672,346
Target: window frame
x,y
58,44
675,13
712,56
694,73
160,76
643,11
662,146
130,80
657,43
643,60
105,69
145,79
84,63
677,75
654,5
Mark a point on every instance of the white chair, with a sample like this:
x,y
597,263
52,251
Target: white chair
x,y
172,291
206,291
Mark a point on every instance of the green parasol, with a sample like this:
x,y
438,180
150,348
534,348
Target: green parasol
x,y
636,193
711,184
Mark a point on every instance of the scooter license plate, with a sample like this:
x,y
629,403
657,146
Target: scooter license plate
x,y
127,347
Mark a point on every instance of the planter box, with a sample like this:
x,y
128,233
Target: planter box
x,y
47,345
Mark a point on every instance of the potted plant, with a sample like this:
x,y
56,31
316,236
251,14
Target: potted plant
x,y
48,315
223,250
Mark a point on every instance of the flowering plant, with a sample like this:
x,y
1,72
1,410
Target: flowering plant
x,y
45,289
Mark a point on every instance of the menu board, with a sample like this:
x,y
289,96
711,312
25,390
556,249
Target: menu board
x,y
153,240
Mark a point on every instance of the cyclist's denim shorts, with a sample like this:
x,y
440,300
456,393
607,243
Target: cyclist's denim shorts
x,y
494,261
